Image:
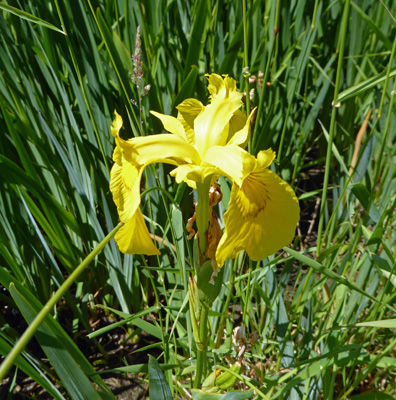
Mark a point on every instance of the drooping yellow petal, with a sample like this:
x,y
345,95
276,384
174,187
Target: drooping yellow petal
x,y
117,155
171,124
232,160
125,187
164,148
189,109
210,125
134,237
261,217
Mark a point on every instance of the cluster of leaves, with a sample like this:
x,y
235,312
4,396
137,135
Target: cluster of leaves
x,y
324,325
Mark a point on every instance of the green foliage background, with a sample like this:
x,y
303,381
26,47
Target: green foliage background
x,y
65,67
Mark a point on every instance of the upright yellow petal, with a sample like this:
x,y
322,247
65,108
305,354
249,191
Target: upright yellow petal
x,y
221,88
189,109
171,124
210,125
265,158
261,217
134,237
116,125
242,136
237,122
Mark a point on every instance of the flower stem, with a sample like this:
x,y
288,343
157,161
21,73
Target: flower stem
x,y
31,330
222,323
248,297
201,355
246,56
202,220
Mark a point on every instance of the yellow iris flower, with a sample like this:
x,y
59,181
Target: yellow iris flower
x,y
205,143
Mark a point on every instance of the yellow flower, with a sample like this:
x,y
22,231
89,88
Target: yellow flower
x,y
205,143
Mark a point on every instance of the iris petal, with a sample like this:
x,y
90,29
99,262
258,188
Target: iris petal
x,y
237,122
131,156
193,174
188,173
261,217
233,161
242,136
210,125
164,148
265,158
125,187
171,124
189,109
222,88
134,237
116,125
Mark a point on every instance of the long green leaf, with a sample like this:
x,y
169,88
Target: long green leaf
x,y
29,17
327,272
159,388
363,86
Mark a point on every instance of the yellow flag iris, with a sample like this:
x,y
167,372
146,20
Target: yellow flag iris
x,y
205,143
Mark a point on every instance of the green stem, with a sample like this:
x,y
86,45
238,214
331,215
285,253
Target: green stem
x,y
276,36
227,303
49,306
344,28
248,297
246,57
202,217
201,355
